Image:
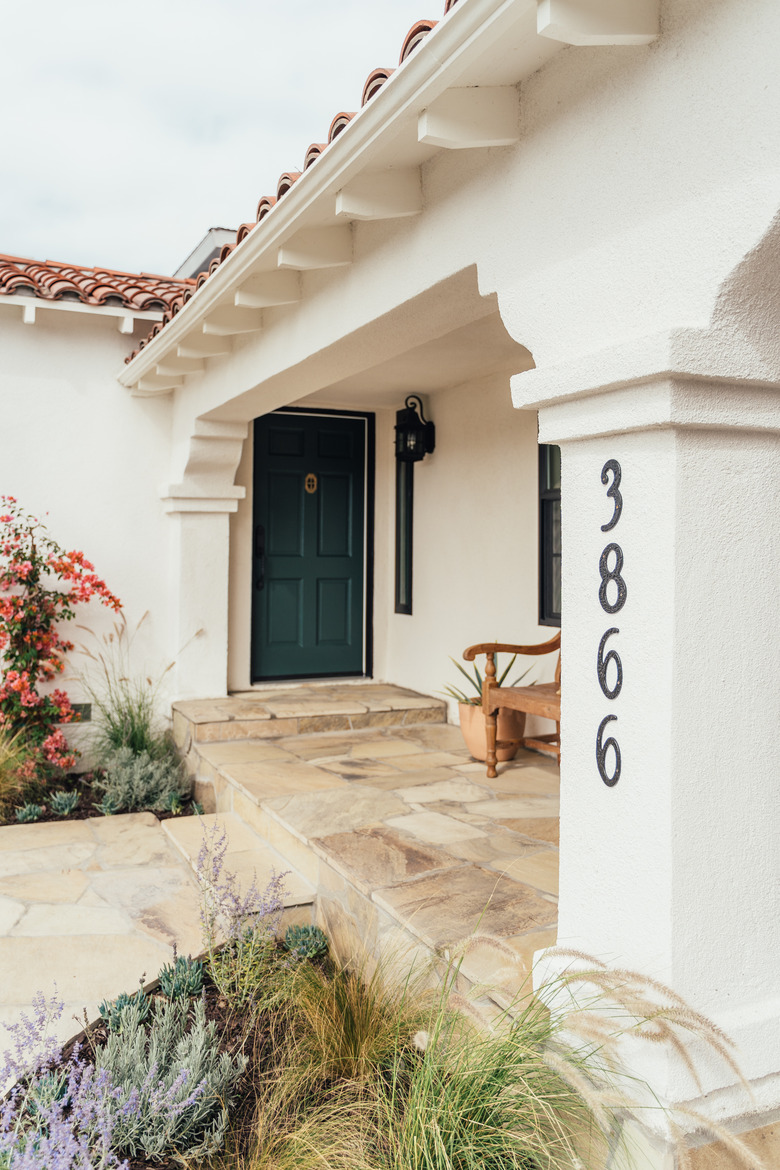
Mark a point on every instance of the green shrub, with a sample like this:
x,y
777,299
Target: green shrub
x,y
63,803
175,1062
28,813
181,979
245,968
306,942
115,1011
133,782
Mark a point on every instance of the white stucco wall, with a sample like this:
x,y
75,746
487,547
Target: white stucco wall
x,y
78,452
475,561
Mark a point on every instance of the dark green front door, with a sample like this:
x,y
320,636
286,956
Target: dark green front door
x,y
309,546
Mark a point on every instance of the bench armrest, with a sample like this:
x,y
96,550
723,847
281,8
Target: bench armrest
x,y
505,648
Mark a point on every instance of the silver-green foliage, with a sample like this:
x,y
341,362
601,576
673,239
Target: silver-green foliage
x,y
63,803
306,942
134,782
28,813
115,1011
174,1087
181,979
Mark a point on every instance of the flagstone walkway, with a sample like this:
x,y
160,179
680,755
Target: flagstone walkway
x,y
390,833
94,907
379,804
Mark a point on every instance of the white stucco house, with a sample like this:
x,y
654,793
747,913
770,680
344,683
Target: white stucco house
x,y
555,223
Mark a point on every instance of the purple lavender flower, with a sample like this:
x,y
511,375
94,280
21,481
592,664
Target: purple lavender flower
x,y
223,908
56,1116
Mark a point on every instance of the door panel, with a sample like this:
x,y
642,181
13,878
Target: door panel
x,y
309,511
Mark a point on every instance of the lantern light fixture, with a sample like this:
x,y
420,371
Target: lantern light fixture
x,y
415,436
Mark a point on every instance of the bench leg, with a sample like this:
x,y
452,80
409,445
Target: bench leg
x,y
490,736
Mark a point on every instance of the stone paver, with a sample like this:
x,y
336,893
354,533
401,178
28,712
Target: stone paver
x,y
445,910
90,906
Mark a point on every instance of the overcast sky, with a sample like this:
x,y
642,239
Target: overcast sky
x,y
129,129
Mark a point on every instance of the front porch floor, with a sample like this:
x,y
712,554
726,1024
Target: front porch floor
x,y
391,821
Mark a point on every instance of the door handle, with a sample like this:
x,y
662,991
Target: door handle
x,y
260,555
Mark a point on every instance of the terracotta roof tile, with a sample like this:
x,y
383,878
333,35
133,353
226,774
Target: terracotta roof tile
x,y
286,181
54,281
313,153
266,204
415,36
339,123
243,231
374,82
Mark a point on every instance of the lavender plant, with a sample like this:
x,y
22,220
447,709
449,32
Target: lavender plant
x,y
139,781
56,1114
173,1086
246,924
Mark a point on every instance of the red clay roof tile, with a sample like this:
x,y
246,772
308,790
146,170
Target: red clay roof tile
x,y
266,204
53,281
286,181
339,123
416,34
374,82
313,153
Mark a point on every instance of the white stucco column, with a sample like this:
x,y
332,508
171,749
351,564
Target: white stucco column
x,y
200,508
675,868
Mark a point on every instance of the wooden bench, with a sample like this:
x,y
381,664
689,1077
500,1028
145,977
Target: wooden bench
x,y
541,699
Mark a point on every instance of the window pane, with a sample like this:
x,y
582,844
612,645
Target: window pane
x,y
555,527
551,477
404,486
556,585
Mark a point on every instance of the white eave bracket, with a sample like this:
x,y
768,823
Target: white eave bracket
x,y
598,22
326,247
466,119
267,289
390,194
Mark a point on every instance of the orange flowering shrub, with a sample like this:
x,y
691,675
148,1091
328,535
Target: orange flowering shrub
x,y
40,586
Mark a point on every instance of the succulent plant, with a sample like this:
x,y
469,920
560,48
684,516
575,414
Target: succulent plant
x,y
29,813
63,803
182,978
306,942
113,1010
108,806
197,808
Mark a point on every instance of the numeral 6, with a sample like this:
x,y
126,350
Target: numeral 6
x,y
602,662
602,747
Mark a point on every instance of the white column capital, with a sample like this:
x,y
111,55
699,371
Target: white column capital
x,y
685,378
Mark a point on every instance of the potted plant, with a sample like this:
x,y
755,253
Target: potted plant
x,y
511,724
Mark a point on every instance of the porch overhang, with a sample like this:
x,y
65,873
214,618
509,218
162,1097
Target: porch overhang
x,y
458,90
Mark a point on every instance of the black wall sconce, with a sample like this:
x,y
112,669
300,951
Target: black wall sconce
x,y
415,436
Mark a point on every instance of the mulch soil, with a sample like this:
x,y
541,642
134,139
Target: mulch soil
x,y
89,797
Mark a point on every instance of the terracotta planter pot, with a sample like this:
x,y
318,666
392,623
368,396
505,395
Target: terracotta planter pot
x,y
511,725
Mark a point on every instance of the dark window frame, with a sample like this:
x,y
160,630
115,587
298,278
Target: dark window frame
x,y
404,535
548,497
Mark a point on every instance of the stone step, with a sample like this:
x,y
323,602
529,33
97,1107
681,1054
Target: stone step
x,y
301,710
248,854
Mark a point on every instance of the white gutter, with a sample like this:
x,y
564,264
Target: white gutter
x,y
431,69
30,305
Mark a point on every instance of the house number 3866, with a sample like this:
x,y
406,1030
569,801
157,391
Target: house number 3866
x,y
612,600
